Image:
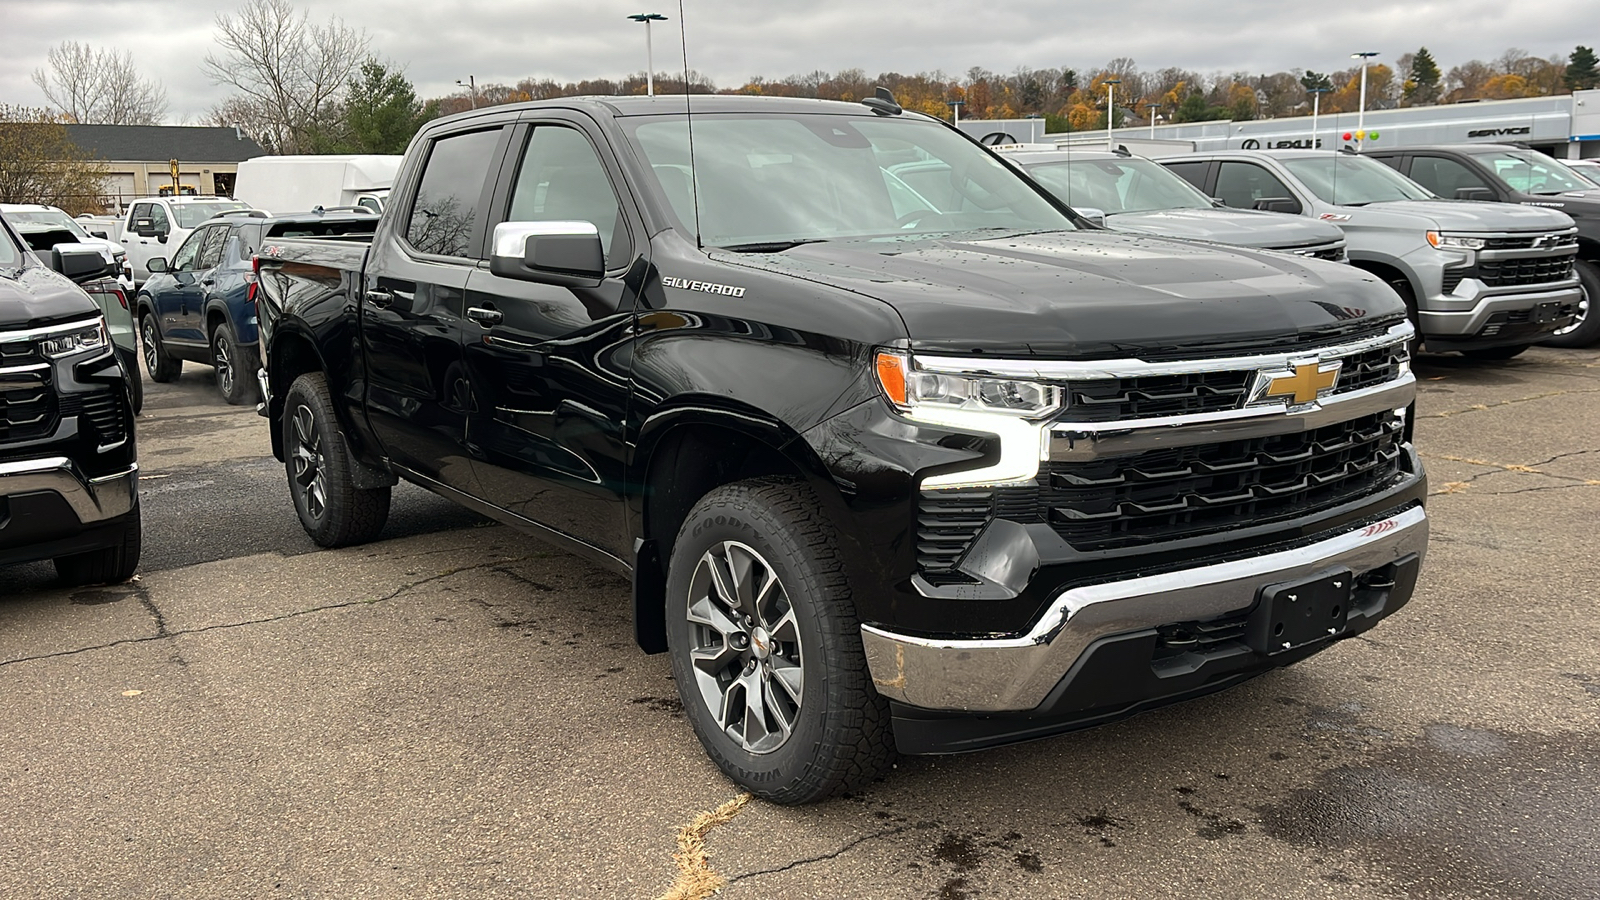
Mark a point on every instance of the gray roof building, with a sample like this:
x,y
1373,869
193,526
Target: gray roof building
x,y
163,142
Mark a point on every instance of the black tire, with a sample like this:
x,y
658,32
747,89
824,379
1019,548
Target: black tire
x,y
162,368
108,565
332,510
130,366
1586,330
839,735
235,365
1409,298
1496,352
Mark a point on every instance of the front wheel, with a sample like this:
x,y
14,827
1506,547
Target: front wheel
x,y
108,565
332,510
162,368
1586,329
236,366
766,645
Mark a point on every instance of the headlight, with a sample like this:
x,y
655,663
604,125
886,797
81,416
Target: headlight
x,y
80,340
912,390
1455,241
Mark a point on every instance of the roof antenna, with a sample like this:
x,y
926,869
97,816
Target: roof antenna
x,y
881,102
688,118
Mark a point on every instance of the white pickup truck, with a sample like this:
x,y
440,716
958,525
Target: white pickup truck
x,y
155,226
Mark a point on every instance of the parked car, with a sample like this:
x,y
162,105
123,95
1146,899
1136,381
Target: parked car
x,y
200,307
287,184
68,467
1506,173
153,226
1588,168
1128,193
45,226
885,474
1486,279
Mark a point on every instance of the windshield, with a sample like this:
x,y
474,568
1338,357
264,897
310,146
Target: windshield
x,y
767,180
1118,185
1532,173
192,214
54,218
1345,180
10,253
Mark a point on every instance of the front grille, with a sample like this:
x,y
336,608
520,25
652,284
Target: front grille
x,y
1507,272
947,523
1525,242
1372,368
1333,252
1111,400
1184,492
27,408
18,353
1452,279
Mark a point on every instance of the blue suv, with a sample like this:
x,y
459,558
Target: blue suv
x,y
200,306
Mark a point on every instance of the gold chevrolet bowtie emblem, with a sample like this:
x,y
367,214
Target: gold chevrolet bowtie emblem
x,y
1307,381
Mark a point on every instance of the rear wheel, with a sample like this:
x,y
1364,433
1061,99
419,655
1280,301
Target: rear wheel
x,y
162,368
1586,330
108,565
332,510
766,646
235,364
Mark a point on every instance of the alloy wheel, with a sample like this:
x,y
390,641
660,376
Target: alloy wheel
x,y
1583,313
223,362
745,647
147,337
309,467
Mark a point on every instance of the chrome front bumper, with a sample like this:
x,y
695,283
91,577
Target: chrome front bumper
x,y
92,499
990,675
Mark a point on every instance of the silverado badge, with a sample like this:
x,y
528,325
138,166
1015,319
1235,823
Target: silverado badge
x,y
1299,384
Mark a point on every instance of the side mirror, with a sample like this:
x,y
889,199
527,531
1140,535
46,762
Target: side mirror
x,y
1097,216
99,234
1217,202
560,253
1475,193
144,227
157,265
81,262
1277,205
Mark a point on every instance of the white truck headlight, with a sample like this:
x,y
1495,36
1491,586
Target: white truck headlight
x,y
1455,241
80,340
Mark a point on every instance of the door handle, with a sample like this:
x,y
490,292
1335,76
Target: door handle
x,y
381,298
485,317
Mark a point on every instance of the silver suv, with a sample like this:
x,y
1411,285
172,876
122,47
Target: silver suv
x,y
1487,279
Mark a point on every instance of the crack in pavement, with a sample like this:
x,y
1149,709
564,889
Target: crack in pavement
x,y
1480,407
850,845
1496,468
163,633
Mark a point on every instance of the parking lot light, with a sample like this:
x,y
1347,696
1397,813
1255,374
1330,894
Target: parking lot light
x,y
649,51
1316,107
1111,106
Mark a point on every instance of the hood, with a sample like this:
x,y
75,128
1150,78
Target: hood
x,y
1091,294
1466,215
36,296
1237,227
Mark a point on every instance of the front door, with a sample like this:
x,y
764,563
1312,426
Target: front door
x,y
413,314
548,364
174,304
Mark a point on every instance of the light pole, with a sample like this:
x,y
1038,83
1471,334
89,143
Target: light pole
x,y
1151,109
1316,107
955,111
1111,106
649,51
471,84
1361,109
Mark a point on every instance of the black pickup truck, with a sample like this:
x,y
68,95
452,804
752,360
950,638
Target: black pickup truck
x,y
886,475
68,469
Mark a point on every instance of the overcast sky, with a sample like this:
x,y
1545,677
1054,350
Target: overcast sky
x,y
504,41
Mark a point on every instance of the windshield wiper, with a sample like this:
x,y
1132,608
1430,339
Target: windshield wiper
x,y
770,246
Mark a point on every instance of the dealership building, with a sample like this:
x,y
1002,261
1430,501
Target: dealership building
x,y
1566,127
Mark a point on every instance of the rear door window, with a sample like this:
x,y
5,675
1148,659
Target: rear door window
x,y
1241,184
446,213
1444,176
211,250
1192,172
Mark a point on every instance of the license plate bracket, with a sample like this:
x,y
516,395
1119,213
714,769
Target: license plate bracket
x,y
1293,614
1548,311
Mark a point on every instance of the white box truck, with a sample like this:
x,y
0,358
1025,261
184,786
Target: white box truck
x,y
290,184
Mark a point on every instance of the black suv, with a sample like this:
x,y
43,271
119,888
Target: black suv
x,y
1506,173
68,470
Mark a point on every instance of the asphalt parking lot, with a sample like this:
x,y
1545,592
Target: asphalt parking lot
x,y
459,711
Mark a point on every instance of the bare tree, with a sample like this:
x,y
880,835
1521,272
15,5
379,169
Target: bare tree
x,y
100,87
289,72
40,164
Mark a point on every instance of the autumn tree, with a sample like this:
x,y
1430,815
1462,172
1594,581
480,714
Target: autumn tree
x,y
289,73
1583,70
100,87
1421,86
39,163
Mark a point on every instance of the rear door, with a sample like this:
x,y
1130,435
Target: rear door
x,y
212,240
177,299
1445,176
413,306
547,364
1242,185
